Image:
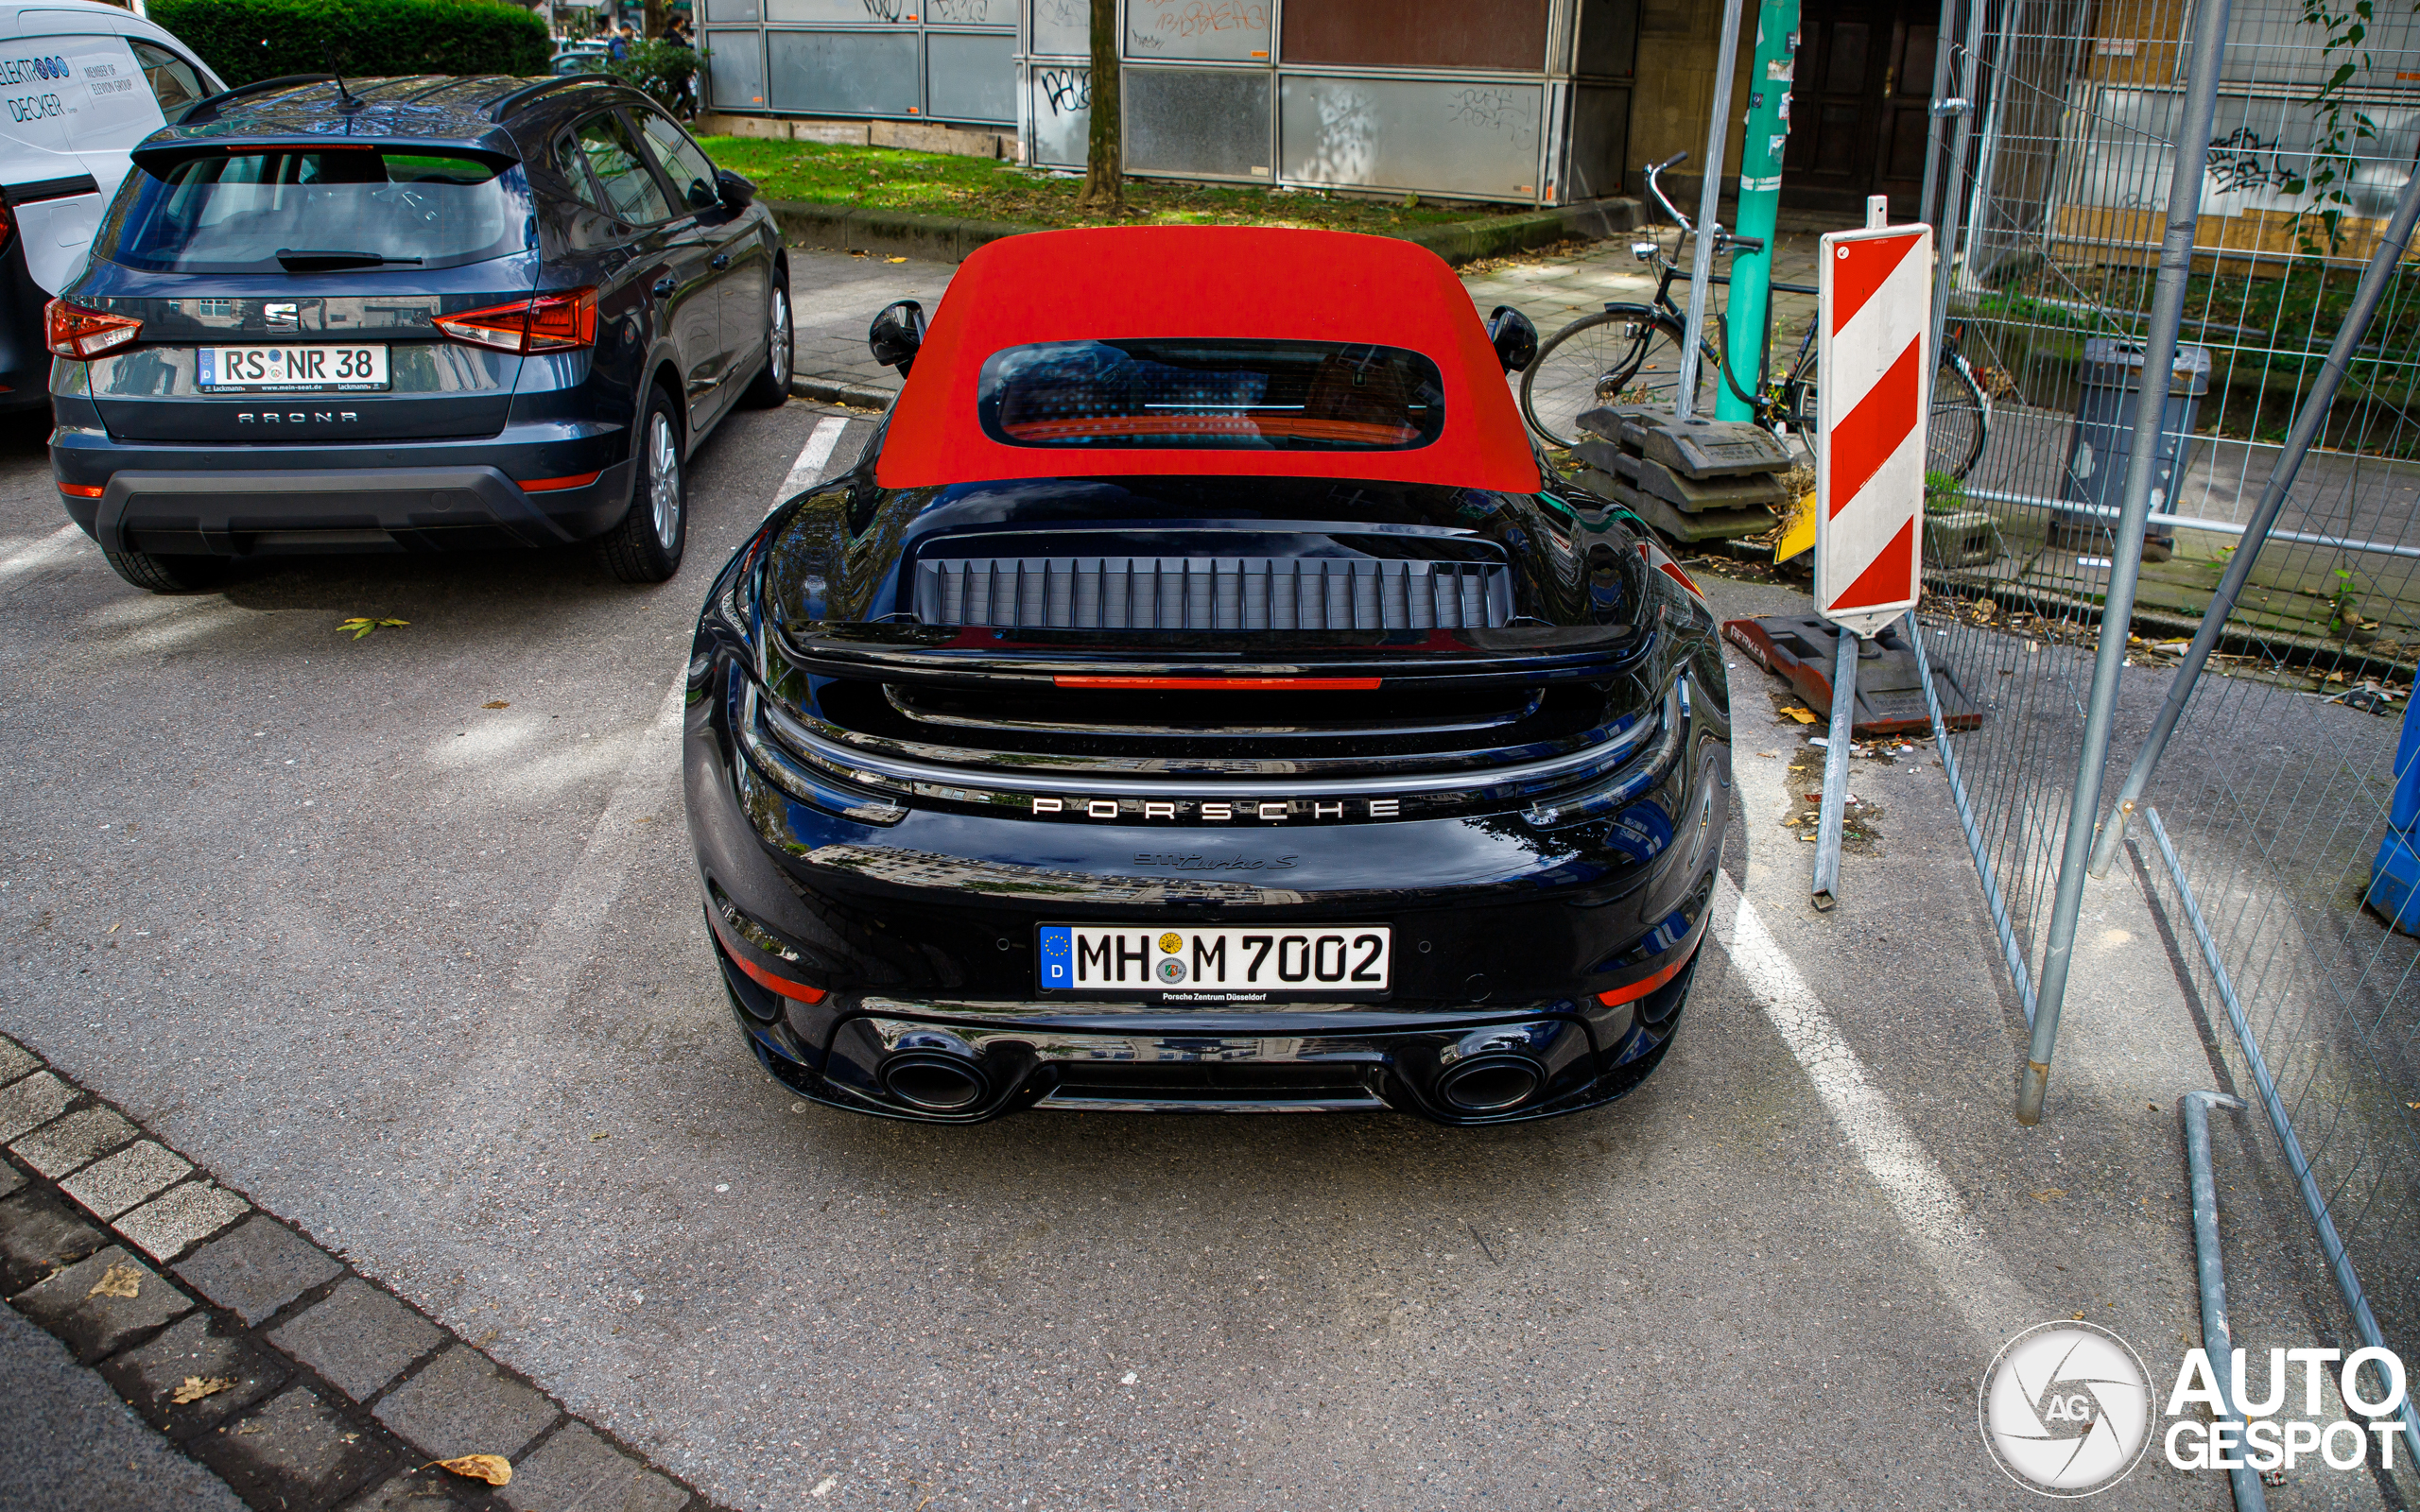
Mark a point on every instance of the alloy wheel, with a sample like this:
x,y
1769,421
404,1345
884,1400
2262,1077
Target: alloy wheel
x,y
664,466
778,361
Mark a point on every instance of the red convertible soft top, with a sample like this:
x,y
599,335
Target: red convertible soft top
x,y
1205,282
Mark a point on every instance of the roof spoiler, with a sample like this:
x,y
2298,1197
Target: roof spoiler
x,y
206,108
519,97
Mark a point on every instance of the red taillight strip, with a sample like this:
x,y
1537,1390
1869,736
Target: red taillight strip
x,y
762,977
1637,989
1227,685
84,491
578,480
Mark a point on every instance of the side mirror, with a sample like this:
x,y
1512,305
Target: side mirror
x,y
898,330
737,193
1514,337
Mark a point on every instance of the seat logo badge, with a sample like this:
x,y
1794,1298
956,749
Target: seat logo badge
x,y
287,315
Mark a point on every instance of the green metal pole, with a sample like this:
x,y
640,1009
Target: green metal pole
x,y
1760,151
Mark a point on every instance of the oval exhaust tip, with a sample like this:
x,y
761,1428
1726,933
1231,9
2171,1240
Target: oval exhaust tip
x,y
1490,1084
938,1084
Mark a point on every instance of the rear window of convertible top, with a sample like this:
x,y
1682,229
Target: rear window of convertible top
x,y
1225,395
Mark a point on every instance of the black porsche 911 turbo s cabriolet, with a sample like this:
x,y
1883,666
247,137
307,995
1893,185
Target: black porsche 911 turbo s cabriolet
x,y
1199,697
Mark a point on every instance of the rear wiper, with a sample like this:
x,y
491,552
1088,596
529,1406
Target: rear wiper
x,y
295,261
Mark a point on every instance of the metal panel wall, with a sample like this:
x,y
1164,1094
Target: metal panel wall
x,y
735,70
1233,31
1427,135
1198,123
845,72
1058,99
1060,28
733,10
970,76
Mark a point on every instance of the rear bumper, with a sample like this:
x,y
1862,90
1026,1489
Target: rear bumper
x,y
265,511
919,930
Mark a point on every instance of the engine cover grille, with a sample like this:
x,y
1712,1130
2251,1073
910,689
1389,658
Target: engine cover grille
x,y
1214,592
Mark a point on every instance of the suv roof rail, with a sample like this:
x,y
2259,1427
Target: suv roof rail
x,y
519,97
207,106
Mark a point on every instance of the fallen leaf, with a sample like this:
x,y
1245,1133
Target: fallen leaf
x,y
494,1469
894,259
495,703
196,1387
594,1137
118,1280
1805,716
361,626
2048,1192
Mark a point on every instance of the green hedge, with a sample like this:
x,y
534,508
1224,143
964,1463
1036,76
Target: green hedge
x,y
245,40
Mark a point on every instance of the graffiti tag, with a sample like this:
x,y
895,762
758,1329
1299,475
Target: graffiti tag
x,y
1066,90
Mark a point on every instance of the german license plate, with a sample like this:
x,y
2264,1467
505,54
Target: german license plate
x,y
304,368
1247,963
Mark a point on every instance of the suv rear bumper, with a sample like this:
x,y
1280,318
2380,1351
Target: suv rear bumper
x,y
229,501
261,511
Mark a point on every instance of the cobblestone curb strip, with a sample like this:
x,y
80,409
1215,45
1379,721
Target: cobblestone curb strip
x,y
301,1383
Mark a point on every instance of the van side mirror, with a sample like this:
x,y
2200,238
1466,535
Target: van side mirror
x,y
898,330
1514,337
737,193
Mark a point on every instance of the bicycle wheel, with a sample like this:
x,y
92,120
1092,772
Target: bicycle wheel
x,y
1954,434
1629,354
1954,439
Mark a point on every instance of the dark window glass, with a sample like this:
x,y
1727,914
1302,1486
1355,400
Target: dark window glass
x,y
284,210
1297,396
175,83
687,167
630,186
574,168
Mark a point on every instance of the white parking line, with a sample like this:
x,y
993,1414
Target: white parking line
x,y
1970,1274
567,939
50,548
808,469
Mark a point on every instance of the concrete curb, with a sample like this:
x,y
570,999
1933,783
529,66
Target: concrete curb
x,y
857,396
318,1388
945,239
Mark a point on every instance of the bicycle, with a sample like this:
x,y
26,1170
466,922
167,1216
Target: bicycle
x,y
1630,355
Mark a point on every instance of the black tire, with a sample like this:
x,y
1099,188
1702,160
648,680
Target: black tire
x,y
1629,354
646,547
1961,421
770,388
168,575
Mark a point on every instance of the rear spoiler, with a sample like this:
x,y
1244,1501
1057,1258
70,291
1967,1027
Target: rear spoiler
x,y
157,155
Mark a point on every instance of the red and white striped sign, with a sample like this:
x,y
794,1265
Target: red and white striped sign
x,y
1873,388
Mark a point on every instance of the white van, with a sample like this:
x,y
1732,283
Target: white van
x,y
81,84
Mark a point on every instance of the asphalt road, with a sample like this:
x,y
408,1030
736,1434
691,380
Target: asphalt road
x,y
427,977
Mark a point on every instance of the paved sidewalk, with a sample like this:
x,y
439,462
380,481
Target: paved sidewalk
x,y
295,1382
837,295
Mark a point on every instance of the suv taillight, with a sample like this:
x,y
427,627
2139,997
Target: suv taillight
x,y
542,322
72,332
7,226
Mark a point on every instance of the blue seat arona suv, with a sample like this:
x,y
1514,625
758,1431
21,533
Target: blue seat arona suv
x,y
411,314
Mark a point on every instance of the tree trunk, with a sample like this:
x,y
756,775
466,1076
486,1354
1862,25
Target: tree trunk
x,y
656,14
1104,156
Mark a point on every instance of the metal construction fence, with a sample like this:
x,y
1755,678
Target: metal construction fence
x,y
2181,580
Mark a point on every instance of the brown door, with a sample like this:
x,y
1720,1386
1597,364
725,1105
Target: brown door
x,y
1858,107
